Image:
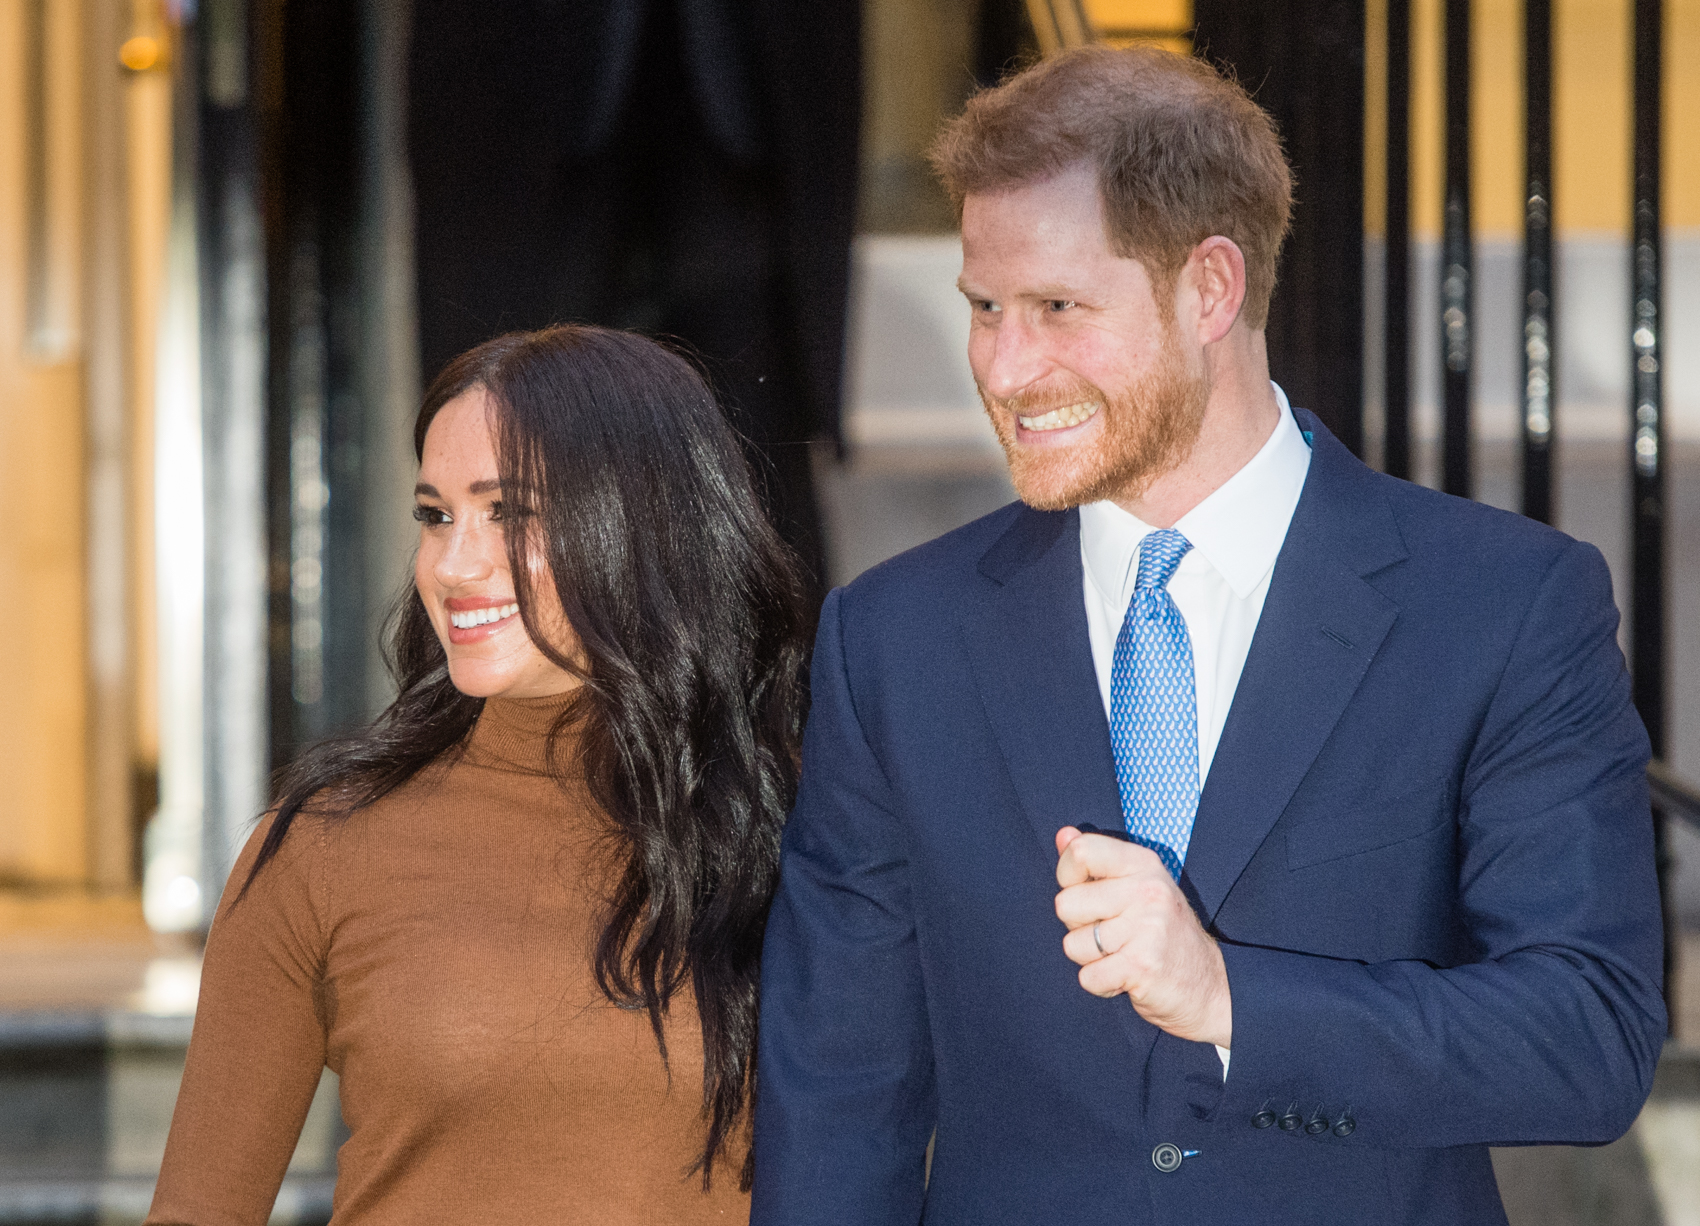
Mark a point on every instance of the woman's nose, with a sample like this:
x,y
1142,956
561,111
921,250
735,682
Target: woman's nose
x,y
471,555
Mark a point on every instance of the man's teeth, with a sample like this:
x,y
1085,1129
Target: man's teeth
x,y
1060,419
480,617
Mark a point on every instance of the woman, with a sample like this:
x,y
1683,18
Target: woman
x,y
521,914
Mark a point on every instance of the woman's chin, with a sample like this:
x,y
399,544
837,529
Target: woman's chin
x,y
483,678
488,679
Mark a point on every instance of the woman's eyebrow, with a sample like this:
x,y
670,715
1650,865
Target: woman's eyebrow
x,y
488,486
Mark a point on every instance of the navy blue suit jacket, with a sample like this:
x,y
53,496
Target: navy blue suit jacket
x,y
1424,844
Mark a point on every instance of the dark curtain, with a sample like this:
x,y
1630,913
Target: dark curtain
x,y
686,168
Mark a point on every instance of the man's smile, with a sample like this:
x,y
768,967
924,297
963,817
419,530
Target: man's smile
x,y
1061,418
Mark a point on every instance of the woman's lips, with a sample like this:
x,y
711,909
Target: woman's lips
x,y
474,620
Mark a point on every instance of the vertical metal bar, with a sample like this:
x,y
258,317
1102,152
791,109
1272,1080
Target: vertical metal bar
x,y
1539,335
311,494
233,423
1647,452
1396,309
1457,289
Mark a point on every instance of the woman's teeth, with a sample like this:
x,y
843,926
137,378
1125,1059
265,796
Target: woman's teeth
x,y
1059,419
480,617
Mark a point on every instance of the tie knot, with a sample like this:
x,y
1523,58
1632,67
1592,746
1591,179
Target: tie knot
x,y
1159,553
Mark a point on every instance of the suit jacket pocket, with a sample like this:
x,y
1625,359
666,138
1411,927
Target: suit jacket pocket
x,y
1369,826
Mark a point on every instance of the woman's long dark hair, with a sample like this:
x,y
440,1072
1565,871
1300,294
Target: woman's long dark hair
x,y
691,626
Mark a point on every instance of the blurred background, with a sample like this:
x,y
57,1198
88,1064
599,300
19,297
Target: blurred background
x,y
238,237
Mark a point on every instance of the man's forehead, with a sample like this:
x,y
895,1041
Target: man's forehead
x,y
1041,223
1070,194
1047,236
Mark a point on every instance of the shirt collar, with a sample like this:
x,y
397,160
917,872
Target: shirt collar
x,y
1238,529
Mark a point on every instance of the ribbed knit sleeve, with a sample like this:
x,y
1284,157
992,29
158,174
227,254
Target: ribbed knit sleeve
x,y
258,1047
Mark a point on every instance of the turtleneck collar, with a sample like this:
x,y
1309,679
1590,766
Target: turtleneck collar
x,y
512,734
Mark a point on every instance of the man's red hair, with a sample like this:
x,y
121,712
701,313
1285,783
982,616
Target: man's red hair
x,y
1181,153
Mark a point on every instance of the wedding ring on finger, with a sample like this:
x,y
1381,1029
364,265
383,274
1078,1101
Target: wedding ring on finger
x,y
1102,952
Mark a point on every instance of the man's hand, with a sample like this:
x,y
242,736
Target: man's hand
x,y
1154,948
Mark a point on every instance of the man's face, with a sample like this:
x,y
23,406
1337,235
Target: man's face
x,y
1079,366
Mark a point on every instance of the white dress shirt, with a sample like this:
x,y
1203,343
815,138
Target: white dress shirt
x,y
1220,584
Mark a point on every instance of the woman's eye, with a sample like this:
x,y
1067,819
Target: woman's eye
x,y
430,515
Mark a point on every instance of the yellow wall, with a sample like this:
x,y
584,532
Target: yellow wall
x,y
1591,116
148,131
76,375
1681,115
43,670
1146,20
43,674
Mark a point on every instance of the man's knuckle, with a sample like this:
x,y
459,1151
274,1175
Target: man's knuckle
x,y
1150,894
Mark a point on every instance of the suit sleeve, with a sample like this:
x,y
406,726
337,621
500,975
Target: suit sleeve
x,y
1550,1033
846,1068
257,1050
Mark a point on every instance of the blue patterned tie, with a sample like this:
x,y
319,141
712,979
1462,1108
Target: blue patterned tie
x,y
1154,708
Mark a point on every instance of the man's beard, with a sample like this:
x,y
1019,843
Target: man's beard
x,y
1149,429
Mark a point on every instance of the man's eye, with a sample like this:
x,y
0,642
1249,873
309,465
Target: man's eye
x,y
984,307
429,515
1058,305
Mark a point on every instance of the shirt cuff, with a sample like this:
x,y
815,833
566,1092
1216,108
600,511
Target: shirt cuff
x,y
1224,1053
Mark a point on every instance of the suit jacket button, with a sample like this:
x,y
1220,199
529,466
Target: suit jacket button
x,y
1345,1126
1290,1122
1317,1124
1263,1119
1166,1158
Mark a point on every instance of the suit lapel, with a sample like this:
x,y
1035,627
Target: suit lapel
x,y
1032,663
1321,626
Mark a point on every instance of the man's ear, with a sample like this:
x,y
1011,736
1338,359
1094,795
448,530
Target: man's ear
x,y
1216,273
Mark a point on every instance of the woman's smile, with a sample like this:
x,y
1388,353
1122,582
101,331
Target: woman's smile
x,y
472,619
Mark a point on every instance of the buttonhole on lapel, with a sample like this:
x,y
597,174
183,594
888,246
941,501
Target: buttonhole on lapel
x,y
1338,638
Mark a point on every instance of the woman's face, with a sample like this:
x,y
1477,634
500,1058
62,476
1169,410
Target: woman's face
x,y
462,570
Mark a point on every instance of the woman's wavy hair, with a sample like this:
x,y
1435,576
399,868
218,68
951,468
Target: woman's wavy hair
x,y
692,628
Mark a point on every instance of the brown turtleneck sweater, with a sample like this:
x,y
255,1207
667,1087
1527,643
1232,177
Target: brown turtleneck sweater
x,y
435,950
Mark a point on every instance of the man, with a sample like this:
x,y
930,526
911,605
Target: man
x,y
1366,883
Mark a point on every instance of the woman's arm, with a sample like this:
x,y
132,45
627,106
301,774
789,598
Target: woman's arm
x,y
258,1047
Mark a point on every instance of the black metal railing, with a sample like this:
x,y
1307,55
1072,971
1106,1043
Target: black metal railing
x,y
1647,643
1457,264
1648,589
1539,394
1396,281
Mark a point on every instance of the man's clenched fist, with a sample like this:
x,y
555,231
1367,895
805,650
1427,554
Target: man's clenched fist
x,y
1131,930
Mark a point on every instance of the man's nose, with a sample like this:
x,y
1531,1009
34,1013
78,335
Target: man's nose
x,y
1016,358
467,556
